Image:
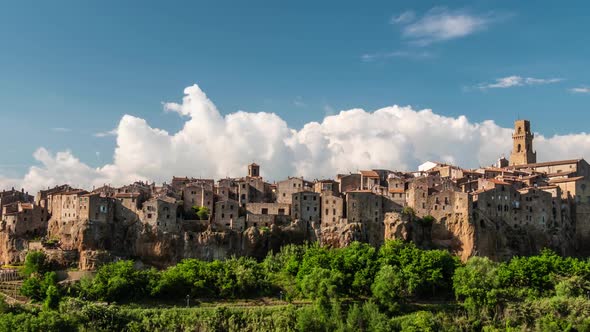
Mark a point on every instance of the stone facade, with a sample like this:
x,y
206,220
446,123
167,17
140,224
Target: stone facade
x,y
286,189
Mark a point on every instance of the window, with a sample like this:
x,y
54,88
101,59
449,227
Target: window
x,y
281,212
334,211
327,211
308,208
149,216
264,211
304,197
231,216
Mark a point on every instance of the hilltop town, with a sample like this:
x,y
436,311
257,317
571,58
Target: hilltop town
x,y
516,207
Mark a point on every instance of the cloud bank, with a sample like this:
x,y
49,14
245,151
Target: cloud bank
x,y
214,145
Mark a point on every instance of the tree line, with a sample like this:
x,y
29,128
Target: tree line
x,y
396,287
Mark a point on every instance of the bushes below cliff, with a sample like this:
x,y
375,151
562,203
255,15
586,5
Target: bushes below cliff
x,y
395,288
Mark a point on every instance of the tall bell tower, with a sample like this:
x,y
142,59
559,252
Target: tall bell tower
x,y
522,144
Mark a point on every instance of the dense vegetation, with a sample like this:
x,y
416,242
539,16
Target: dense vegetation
x,y
359,288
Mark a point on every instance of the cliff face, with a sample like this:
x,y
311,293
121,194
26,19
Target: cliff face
x,y
457,233
87,244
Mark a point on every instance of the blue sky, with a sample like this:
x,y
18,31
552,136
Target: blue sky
x,y
71,69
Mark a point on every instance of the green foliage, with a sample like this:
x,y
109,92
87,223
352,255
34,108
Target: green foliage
x,y
51,298
118,281
202,212
421,321
424,272
408,211
357,288
232,278
35,263
426,221
399,267
388,287
572,287
477,283
36,288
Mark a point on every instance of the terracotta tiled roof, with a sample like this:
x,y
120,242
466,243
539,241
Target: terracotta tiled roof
x,y
369,174
497,181
396,191
482,191
560,174
496,169
126,195
549,163
73,192
27,206
577,178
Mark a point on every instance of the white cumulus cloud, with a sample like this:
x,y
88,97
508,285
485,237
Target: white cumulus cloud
x,y
214,145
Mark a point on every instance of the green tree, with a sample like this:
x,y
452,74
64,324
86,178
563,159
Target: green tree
x,y
51,298
117,281
35,288
477,283
35,263
202,212
388,287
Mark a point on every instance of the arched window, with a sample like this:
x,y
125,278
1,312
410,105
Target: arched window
x,y
519,148
520,130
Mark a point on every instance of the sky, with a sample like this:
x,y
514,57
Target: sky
x,y
112,91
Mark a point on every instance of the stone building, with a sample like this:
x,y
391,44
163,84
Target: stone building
x,y
162,214
332,208
366,208
227,215
522,141
23,219
349,182
321,186
286,188
199,195
97,208
306,206
369,180
13,196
